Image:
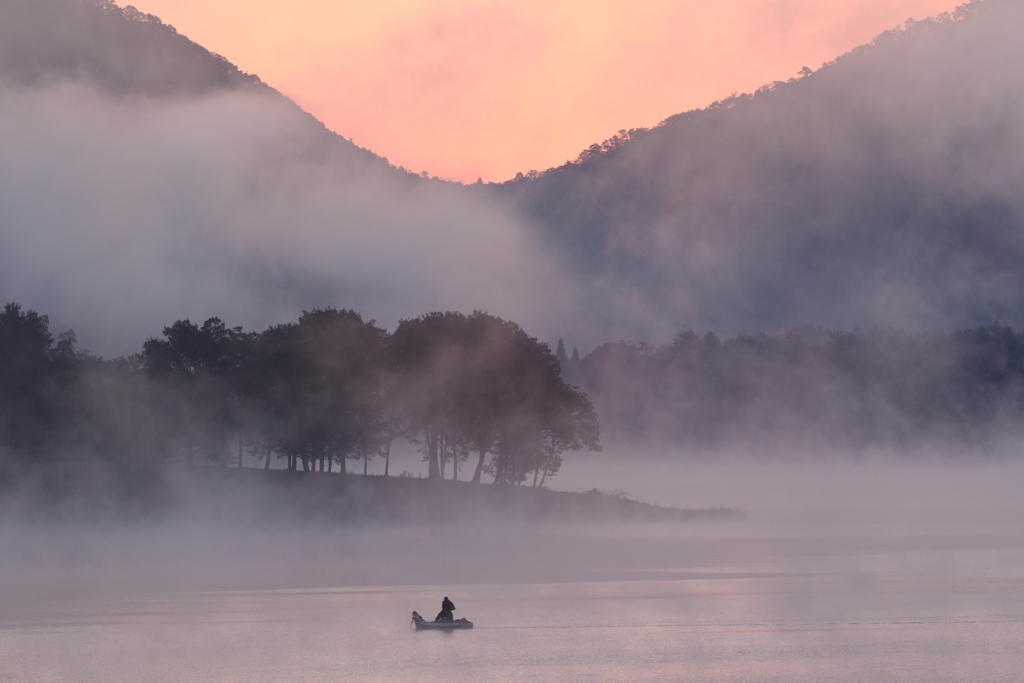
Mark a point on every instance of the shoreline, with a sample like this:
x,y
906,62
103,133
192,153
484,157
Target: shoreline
x,y
256,495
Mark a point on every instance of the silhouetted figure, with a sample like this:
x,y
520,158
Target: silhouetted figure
x,y
446,611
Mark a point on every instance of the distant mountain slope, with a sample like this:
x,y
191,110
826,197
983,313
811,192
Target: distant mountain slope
x,y
122,51
144,179
886,187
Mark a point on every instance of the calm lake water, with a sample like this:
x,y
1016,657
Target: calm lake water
x,y
929,608
908,573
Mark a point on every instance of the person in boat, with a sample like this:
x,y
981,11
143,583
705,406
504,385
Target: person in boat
x,y
446,610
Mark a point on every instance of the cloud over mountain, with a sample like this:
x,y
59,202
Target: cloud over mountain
x,y
138,188
144,179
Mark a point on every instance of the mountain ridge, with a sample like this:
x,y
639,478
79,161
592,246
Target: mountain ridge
x,y
880,189
125,52
876,190
610,146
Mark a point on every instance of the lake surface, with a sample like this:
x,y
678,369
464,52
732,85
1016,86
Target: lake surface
x,y
926,608
846,573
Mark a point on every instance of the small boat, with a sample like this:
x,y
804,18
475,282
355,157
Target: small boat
x,y
421,624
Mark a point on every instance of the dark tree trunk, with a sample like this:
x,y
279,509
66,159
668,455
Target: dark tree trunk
x,y
387,444
499,465
433,471
479,467
443,454
543,465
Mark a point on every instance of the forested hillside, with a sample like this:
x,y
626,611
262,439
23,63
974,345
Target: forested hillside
x,y
119,49
882,188
124,52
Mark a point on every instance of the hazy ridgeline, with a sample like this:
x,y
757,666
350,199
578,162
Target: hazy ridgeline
x,y
142,169
101,43
880,189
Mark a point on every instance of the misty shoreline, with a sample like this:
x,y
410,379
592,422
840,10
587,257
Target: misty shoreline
x,y
250,495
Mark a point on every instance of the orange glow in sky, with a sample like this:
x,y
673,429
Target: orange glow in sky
x,y
468,88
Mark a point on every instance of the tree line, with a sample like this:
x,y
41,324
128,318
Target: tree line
x,y
478,396
811,386
475,393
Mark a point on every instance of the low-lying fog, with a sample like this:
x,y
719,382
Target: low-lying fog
x,y
898,505
882,492
881,568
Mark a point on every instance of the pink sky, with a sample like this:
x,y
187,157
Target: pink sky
x,y
468,88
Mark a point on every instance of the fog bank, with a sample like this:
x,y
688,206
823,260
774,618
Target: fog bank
x,y
121,216
835,510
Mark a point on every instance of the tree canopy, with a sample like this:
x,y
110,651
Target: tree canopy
x,y
328,388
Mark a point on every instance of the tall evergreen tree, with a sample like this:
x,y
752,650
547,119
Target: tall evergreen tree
x,y
560,353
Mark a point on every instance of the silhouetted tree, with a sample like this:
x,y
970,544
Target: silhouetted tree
x,y
563,359
429,355
27,402
569,424
193,366
479,383
322,393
